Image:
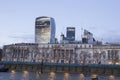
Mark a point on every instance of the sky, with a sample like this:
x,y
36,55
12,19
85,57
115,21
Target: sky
x,y
101,17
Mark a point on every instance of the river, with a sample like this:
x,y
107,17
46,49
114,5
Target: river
x,y
50,76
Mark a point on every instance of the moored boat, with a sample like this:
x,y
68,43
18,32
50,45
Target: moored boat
x,y
3,69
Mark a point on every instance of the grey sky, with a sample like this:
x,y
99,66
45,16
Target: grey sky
x,y
101,17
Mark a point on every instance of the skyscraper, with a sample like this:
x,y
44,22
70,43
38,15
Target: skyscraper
x,y
71,34
44,30
87,37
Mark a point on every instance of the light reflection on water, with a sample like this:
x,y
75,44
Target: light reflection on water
x,y
25,75
17,76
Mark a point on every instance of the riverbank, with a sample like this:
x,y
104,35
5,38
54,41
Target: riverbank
x,y
51,76
100,69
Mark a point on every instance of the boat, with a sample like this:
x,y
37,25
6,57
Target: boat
x,y
3,69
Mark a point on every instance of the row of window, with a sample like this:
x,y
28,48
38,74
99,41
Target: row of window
x,y
66,46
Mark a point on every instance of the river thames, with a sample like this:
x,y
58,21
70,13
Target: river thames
x,y
50,76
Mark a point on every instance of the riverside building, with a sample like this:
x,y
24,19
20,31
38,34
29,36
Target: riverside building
x,y
62,53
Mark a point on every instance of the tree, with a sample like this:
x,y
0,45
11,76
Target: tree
x,y
56,40
1,54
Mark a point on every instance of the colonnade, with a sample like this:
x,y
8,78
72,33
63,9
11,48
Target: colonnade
x,y
62,53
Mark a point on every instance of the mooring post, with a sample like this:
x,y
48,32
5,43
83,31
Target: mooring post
x,y
42,67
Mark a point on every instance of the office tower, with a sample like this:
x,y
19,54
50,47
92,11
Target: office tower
x,y
87,37
44,30
71,34
63,39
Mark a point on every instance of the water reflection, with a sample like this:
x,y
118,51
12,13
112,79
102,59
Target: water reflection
x,y
66,76
12,75
81,76
38,74
111,77
51,76
94,77
25,75
12,71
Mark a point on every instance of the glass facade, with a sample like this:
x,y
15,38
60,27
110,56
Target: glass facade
x,y
44,30
71,34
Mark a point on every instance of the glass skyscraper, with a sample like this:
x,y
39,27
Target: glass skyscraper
x,y
71,34
44,30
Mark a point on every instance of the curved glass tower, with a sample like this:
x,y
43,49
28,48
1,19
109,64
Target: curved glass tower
x,y
44,30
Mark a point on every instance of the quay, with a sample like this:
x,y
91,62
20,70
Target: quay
x,y
100,69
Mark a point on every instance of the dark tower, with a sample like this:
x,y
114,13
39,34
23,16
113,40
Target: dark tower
x,y
71,34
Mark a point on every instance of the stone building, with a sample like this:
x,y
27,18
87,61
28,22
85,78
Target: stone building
x,y
62,53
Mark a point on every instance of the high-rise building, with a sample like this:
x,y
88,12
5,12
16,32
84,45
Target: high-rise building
x,y
63,39
71,34
44,30
87,37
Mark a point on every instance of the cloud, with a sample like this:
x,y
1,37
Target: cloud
x,y
16,38
110,36
23,37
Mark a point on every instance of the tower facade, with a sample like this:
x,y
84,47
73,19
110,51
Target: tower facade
x,y
71,34
87,37
44,30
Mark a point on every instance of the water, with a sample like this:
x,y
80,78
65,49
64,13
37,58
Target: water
x,y
18,75
49,76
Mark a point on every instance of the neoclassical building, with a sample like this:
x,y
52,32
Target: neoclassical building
x,y
62,53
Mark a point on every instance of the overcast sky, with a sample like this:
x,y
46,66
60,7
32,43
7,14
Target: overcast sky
x,y
101,17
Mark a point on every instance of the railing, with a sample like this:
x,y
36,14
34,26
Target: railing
x,y
62,64
14,62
